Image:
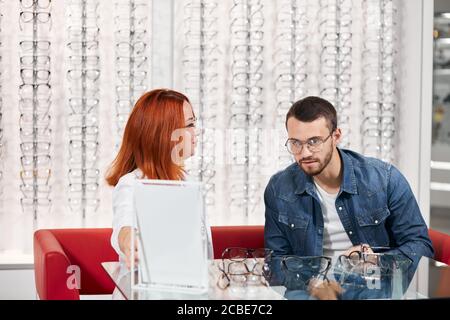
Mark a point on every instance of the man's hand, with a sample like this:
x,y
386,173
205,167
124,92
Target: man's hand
x,y
125,245
324,289
364,248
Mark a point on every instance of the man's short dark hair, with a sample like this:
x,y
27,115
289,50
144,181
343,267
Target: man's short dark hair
x,y
312,108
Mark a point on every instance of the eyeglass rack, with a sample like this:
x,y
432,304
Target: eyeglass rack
x,y
246,110
35,134
132,64
83,78
336,60
1,115
290,64
200,57
379,79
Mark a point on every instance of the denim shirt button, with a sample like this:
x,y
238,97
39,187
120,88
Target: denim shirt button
x,y
350,232
376,221
292,225
340,208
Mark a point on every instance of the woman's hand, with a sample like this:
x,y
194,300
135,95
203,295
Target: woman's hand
x,y
125,245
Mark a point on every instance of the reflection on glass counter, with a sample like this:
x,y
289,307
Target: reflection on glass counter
x,y
366,276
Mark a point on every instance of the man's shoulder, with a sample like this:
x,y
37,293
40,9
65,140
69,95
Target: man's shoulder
x,y
364,162
284,177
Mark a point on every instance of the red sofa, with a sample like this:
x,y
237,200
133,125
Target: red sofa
x,y
57,249
441,245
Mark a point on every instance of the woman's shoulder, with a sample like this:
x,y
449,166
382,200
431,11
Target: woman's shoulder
x,y
128,179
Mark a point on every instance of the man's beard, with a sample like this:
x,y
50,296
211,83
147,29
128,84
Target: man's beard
x,y
320,168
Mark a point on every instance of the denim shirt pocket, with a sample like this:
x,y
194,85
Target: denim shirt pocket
x,y
297,229
372,225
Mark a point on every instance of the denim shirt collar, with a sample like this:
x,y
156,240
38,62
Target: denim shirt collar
x,y
348,185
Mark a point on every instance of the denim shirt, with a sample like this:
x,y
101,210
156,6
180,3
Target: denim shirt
x,y
375,205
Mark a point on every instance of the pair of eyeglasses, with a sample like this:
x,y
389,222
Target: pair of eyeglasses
x,y
130,5
35,203
136,47
77,204
83,31
138,61
40,4
83,105
314,144
87,60
300,271
125,92
34,16
77,74
81,120
42,90
34,76
29,45
206,35
31,191
358,258
35,148
41,61
244,266
89,189
33,133
83,144
80,161
31,161
77,45
38,176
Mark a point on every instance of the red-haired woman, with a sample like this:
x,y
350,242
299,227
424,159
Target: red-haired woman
x,y
158,137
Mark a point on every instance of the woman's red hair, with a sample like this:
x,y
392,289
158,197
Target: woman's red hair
x,y
147,141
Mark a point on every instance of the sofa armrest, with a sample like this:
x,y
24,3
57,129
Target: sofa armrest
x,y
51,268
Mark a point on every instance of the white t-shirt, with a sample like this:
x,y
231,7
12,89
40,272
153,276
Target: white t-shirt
x,y
335,239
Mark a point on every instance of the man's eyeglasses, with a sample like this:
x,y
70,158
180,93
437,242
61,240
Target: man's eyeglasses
x,y
313,144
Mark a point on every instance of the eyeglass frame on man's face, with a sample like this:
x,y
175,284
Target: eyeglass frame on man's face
x,y
318,146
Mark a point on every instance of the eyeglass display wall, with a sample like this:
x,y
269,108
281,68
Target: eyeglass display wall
x,y
246,61
75,69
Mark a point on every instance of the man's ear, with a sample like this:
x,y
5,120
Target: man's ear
x,y
337,135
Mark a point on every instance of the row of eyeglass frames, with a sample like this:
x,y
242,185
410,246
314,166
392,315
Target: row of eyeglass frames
x,y
247,114
131,38
34,104
290,60
336,60
200,77
83,100
379,82
1,115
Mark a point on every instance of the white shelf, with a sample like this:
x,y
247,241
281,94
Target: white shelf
x,y
15,260
442,72
442,41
